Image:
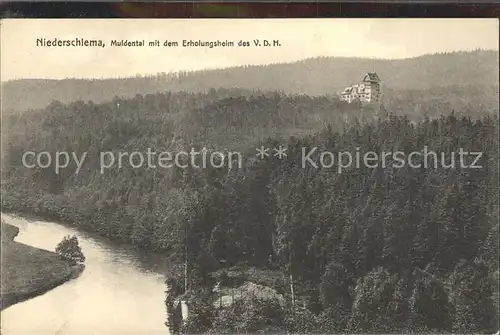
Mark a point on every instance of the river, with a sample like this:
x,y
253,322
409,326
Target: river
x,y
120,292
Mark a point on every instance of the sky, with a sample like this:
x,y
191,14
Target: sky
x,y
299,38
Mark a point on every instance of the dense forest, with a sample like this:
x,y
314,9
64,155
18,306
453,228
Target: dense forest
x,y
475,70
367,250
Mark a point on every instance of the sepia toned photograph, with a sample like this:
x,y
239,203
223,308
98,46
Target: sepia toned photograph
x,y
244,176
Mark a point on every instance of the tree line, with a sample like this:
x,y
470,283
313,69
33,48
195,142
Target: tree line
x,y
367,250
473,71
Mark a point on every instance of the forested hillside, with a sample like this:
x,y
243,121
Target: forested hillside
x,y
381,249
477,70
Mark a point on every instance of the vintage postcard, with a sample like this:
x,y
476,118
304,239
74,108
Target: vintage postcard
x,y
249,176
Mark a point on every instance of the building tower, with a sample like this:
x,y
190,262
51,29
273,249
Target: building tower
x,y
371,82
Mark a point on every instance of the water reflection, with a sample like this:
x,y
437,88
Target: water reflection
x,y
120,291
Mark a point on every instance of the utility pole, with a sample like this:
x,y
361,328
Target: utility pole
x,y
291,274
185,259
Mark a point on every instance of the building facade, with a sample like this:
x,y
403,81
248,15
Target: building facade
x,y
367,91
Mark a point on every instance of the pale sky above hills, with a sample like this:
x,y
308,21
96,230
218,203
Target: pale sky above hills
x,y
299,38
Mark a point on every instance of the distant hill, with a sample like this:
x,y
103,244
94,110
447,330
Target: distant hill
x,y
317,76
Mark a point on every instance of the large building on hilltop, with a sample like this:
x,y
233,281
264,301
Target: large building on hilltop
x,y
367,91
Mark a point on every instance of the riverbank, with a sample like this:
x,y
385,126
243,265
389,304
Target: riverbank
x,y
27,271
79,221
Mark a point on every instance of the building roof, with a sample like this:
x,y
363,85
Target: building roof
x,y
347,90
372,76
